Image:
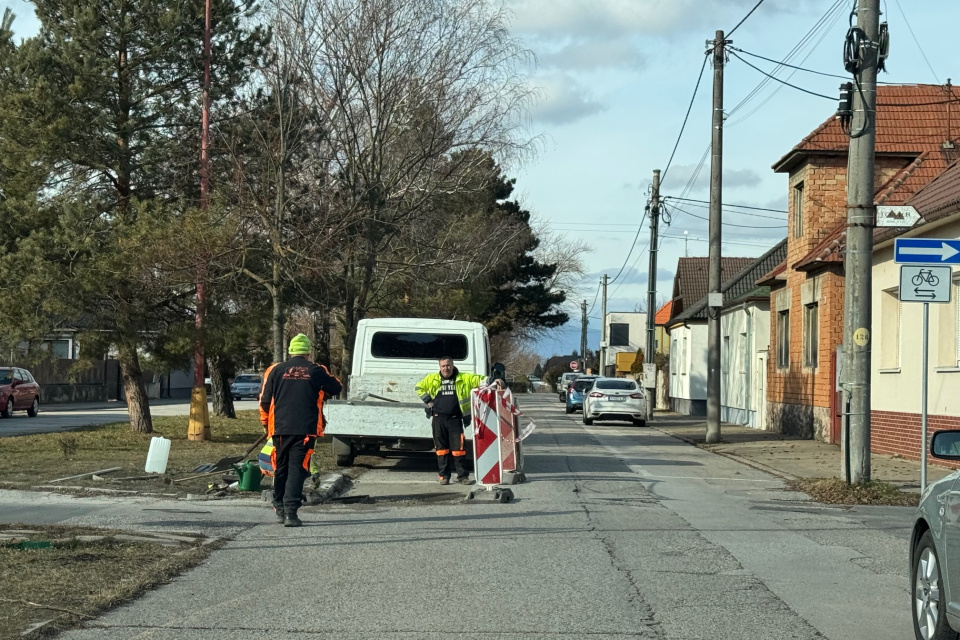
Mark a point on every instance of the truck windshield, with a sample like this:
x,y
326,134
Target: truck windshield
x,y
419,346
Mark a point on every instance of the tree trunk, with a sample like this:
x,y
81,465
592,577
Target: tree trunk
x,y
278,319
221,372
138,405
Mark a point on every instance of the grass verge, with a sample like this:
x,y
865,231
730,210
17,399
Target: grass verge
x,y
76,579
875,492
34,460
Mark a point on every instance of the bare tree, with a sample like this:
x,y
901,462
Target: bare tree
x,y
414,96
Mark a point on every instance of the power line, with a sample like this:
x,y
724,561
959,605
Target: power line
x,y
749,13
725,241
630,253
732,224
595,299
727,204
793,66
784,82
685,118
737,212
910,29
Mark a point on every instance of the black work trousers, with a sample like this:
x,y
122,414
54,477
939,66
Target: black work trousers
x,y
448,440
293,467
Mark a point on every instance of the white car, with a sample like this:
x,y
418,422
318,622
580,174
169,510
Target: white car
x,y
615,399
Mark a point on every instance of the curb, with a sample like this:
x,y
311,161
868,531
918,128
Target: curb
x,y
759,466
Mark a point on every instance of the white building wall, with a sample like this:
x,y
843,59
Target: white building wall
x,y
744,333
897,335
637,323
688,369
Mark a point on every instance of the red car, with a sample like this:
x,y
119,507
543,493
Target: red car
x,y
18,392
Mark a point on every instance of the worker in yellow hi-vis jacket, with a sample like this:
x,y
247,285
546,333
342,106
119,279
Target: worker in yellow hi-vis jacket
x,y
447,398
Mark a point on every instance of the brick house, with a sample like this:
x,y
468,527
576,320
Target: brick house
x,y
807,289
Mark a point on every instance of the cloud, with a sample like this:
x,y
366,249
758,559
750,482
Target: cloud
x,y
681,174
563,100
606,18
588,55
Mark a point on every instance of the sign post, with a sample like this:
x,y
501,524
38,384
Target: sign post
x,y
926,284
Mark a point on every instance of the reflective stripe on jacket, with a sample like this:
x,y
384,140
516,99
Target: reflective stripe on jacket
x,y
429,387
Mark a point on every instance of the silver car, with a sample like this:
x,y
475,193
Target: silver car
x,y
246,386
615,399
935,550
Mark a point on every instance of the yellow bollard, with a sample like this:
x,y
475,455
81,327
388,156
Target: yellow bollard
x,y
199,425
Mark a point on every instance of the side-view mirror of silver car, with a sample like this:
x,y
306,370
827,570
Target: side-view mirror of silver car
x,y
946,445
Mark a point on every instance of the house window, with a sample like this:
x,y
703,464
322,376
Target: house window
x,y
725,355
948,331
683,356
783,339
619,334
890,322
811,334
798,211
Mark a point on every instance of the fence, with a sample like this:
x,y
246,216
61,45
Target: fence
x,y
60,381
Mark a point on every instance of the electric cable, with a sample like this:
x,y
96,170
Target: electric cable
x,y
727,209
749,13
732,224
910,29
632,246
784,82
793,66
727,204
595,297
696,88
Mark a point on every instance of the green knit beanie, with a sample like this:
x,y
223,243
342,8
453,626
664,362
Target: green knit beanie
x,y
299,345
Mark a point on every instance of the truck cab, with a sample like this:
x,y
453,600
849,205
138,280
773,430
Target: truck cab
x,y
382,409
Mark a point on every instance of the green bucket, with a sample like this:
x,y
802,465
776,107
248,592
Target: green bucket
x,y
250,476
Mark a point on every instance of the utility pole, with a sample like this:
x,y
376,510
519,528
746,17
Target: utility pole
x,y
199,421
583,335
603,329
686,251
859,258
651,350
714,297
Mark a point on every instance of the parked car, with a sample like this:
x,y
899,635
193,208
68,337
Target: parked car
x,y
576,391
18,392
935,550
563,382
246,385
615,399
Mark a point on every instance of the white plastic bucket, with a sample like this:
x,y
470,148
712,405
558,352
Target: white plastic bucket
x,y
157,455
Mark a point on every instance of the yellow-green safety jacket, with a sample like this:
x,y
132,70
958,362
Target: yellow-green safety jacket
x,y
429,387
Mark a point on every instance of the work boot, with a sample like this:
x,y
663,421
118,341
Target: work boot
x,y
464,479
281,517
291,519
444,480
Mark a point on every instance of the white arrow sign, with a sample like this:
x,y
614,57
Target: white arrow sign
x,y
945,251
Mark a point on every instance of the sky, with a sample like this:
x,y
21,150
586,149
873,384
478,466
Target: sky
x,y
615,78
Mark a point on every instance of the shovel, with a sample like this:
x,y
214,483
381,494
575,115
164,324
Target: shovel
x,y
227,463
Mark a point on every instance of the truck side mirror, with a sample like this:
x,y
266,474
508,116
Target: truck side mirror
x,y
499,371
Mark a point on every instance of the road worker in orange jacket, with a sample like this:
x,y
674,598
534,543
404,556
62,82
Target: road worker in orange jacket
x,y
291,411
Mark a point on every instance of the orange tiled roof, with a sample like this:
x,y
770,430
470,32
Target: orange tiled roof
x,y
663,314
916,132
920,123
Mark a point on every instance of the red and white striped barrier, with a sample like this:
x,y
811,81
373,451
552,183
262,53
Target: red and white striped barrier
x,y
495,434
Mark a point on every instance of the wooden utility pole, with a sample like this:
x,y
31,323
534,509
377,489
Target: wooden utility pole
x,y
199,421
650,352
859,257
602,365
714,297
583,336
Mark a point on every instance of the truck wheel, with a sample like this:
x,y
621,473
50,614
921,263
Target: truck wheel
x,y
345,461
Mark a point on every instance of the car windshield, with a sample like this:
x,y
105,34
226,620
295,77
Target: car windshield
x,y
6,376
617,385
248,379
582,385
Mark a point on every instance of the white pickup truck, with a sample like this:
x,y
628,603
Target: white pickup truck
x,y
390,355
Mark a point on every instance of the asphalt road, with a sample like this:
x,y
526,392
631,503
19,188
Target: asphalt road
x,y
67,417
620,532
